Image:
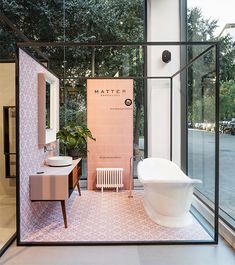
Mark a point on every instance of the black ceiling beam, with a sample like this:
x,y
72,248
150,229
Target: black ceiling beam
x,y
111,44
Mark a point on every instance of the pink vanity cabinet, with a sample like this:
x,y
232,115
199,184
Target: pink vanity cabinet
x,y
56,184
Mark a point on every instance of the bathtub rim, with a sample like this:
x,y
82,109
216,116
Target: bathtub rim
x,y
169,181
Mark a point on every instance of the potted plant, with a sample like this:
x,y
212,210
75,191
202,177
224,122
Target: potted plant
x,y
74,138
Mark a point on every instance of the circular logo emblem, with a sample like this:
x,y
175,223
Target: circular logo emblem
x,y
128,102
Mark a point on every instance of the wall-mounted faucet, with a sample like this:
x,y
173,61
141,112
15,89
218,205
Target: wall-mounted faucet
x,y
48,148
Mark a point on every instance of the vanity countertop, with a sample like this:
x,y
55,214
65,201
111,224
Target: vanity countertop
x,y
58,171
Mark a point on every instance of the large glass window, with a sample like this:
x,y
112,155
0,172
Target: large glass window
x,y
84,62
212,20
83,21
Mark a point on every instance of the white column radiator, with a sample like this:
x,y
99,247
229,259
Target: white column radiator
x,y
109,178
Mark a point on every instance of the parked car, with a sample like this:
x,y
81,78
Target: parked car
x,y
190,124
230,128
222,126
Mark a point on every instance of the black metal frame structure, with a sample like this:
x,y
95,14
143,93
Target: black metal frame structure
x,y
7,244
183,81
211,45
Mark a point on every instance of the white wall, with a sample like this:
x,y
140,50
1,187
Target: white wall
x,y
7,98
163,25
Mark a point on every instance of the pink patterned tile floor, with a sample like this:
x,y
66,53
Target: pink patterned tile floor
x,y
108,217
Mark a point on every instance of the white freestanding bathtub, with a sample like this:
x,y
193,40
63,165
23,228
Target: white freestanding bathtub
x,y
167,192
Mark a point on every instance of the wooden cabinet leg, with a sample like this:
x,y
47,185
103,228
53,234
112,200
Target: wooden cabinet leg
x,y
64,213
78,186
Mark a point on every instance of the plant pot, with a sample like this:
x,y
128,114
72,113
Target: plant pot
x,y
74,153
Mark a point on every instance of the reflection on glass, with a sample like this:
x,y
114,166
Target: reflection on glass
x,y
202,27
201,122
9,141
48,105
7,154
73,106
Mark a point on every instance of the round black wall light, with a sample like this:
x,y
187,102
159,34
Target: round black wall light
x,y
166,56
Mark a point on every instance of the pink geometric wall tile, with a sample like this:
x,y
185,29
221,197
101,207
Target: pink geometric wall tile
x,y
31,157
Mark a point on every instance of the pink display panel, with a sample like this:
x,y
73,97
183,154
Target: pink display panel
x,y
110,119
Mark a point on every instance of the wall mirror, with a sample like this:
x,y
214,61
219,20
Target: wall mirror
x,y
48,108
48,105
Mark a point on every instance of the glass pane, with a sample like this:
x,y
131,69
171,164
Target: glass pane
x,y
201,120
7,152
38,20
104,20
84,62
205,23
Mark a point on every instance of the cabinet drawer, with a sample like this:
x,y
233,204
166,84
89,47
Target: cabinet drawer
x,y
48,187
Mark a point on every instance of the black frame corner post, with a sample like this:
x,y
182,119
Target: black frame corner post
x,y
145,49
171,117
184,92
217,160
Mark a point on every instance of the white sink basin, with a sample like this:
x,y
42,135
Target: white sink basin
x,y
59,161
